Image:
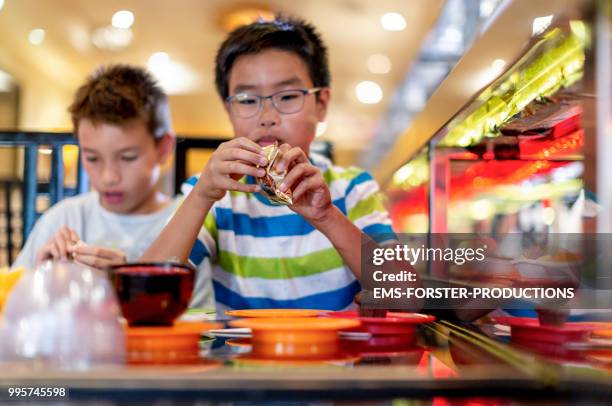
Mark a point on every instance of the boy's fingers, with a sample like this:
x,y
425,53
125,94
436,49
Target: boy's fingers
x,y
233,167
74,237
100,252
95,261
62,246
310,183
289,156
238,154
54,251
295,174
45,253
230,184
243,142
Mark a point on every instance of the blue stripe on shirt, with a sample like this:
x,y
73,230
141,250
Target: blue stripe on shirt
x,y
331,300
357,180
276,226
198,252
380,232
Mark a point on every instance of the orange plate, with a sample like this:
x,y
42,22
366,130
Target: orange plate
x,y
239,342
298,330
293,324
273,313
182,335
603,329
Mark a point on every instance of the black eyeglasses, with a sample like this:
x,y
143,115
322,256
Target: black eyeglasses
x,y
246,105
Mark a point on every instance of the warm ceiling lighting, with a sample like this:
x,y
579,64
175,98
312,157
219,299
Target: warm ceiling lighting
x,y
36,36
245,15
123,19
368,92
173,76
1,4
393,22
379,64
498,65
112,38
159,60
6,81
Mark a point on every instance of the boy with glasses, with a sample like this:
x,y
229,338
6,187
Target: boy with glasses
x,y
274,79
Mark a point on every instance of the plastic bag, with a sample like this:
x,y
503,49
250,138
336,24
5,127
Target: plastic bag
x,y
62,315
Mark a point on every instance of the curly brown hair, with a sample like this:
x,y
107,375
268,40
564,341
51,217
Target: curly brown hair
x,y
118,94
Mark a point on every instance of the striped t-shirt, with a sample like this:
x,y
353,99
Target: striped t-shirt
x,y
267,256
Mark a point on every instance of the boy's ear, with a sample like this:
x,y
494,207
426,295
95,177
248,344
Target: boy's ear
x,y
323,102
226,108
165,147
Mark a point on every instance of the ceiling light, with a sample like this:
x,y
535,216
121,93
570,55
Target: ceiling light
x,y
1,4
393,22
498,65
540,24
379,63
6,81
123,19
159,60
369,92
487,7
36,36
112,38
173,76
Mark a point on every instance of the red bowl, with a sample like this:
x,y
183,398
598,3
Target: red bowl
x,y
395,323
526,330
152,293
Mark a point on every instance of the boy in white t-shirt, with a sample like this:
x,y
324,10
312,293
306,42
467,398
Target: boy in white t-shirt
x,y
121,118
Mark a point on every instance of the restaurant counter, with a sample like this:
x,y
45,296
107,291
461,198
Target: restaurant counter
x,y
458,361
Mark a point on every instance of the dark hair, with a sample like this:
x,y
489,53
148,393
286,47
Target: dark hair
x,y
117,94
284,33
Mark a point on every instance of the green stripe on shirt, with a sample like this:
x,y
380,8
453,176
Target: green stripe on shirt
x,y
366,206
280,268
332,174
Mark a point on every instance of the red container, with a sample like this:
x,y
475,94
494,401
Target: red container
x,y
395,323
528,330
152,293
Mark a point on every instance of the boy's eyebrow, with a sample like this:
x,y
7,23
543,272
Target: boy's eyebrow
x,y
294,80
127,149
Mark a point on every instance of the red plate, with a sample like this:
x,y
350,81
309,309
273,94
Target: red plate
x,y
382,346
556,352
395,323
526,329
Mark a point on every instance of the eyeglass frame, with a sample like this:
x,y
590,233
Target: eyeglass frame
x,y
261,99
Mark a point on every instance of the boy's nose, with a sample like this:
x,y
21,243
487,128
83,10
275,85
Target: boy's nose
x,y
110,176
269,116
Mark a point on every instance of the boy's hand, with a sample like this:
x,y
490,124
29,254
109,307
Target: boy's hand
x,y
311,197
97,257
228,164
60,246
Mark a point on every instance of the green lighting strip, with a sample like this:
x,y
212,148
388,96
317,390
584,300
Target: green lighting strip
x,y
558,67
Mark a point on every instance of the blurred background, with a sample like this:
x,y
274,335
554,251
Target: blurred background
x,y
421,92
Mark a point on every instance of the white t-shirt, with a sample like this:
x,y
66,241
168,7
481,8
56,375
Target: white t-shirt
x,y
130,233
